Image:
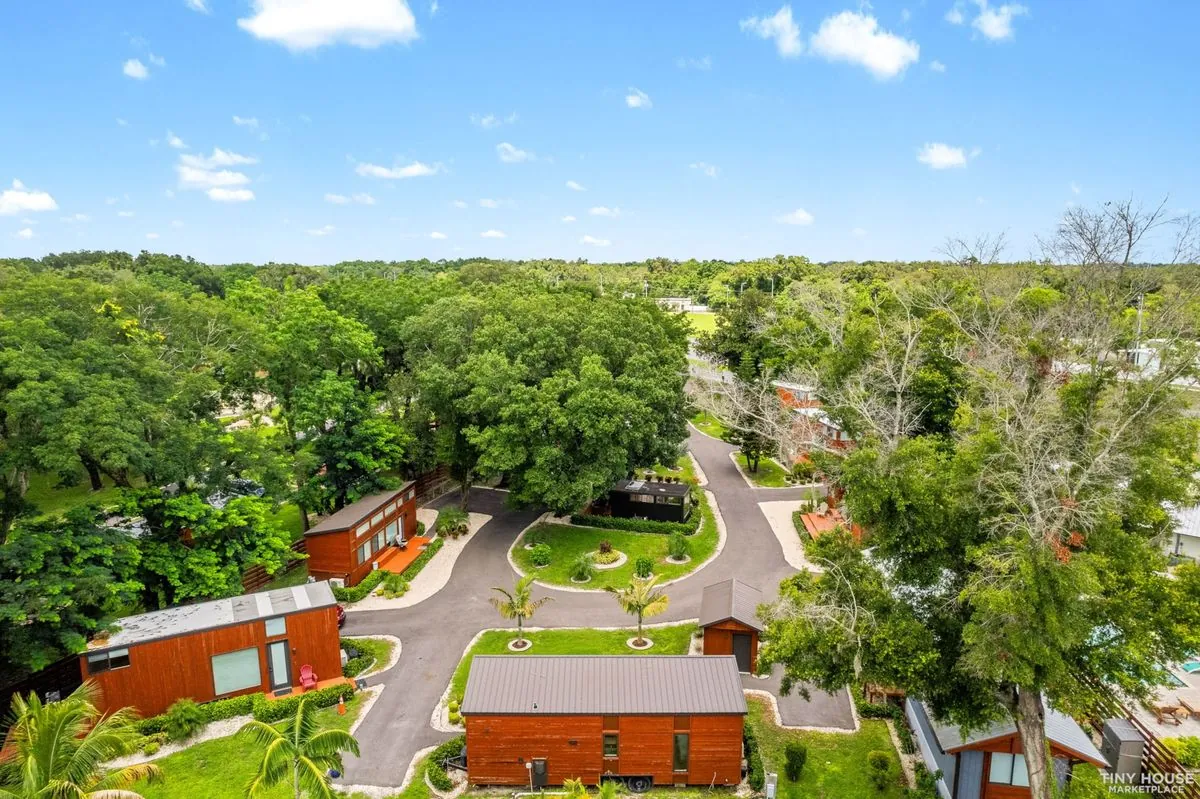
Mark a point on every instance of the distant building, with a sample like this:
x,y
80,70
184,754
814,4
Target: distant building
x,y
684,304
1185,538
655,499
811,423
348,545
729,619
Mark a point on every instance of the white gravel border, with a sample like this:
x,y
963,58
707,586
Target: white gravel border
x,y
779,721
392,661
779,515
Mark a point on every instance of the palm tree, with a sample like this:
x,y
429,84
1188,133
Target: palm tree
x,y
640,599
298,750
519,605
58,749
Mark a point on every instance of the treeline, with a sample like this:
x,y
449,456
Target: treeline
x,y
175,382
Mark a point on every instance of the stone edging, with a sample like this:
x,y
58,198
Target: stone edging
x,y
906,761
701,477
708,435
779,719
616,564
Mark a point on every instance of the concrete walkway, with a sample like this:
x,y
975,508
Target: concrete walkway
x,y
436,631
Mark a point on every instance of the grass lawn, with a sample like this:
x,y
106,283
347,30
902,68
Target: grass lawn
x,y
836,767
685,470
567,543
673,640
769,475
288,517
378,649
289,578
702,322
221,768
707,423
45,492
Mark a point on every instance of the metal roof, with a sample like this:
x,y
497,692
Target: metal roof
x,y
652,487
1061,729
1187,520
603,685
355,512
730,599
186,619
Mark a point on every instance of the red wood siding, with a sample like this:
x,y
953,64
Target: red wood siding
x,y
718,639
162,671
573,747
333,554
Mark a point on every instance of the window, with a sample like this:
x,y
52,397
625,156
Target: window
x,y
379,540
389,508
391,532
408,497
1008,769
364,552
362,528
236,671
680,756
276,626
609,723
641,498
611,744
377,518
107,661
671,500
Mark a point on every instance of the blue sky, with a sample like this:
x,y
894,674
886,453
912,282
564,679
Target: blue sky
x,y
705,129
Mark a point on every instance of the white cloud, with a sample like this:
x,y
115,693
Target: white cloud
x,y
489,121
433,8
997,23
19,199
493,234
168,193
222,195
857,38
177,223
955,15
416,169
198,5
25,233
858,232
1075,188
175,142
191,177
703,64
595,242
938,155
322,231
780,27
341,199
111,201
573,186
905,15
976,152
77,218
305,24
246,122
568,218
218,158
152,236
937,66
362,198
488,203
638,99
437,235
157,60
133,68
459,203
126,214
707,169
797,217
337,199
513,155
601,210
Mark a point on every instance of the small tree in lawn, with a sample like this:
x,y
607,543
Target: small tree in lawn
x,y
300,752
640,598
519,605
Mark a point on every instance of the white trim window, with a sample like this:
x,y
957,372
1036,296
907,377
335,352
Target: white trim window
x,y
236,671
1008,769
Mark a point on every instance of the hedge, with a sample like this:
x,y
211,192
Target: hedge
x,y
637,525
756,776
372,580
435,769
869,710
263,709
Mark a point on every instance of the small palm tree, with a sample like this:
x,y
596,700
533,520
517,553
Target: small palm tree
x,y
519,605
300,751
640,599
59,748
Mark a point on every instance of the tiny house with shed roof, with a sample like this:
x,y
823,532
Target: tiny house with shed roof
x,y
729,618
349,544
646,720
663,499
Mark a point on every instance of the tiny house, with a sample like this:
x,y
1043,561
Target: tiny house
x,y
255,643
646,720
348,545
663,499
728,617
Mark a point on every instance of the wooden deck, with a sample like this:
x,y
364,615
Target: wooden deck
x,y
297,690
397,560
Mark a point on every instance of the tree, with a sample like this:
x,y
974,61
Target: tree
x,y
61,748
298,752
642,599
519,604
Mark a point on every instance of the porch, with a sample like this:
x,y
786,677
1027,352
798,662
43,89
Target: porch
x,y
298,691
397,560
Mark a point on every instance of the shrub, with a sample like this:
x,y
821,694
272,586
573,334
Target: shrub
x,y
605,547
151,747
637,525
583,569
643,567
420,529
213,711
395,585
453,522
804,470
605,558
454,718
360,591
453,705
795,754
448,749
184,719
540,555
438,777
879,767
756,775
678,547
272,710
538,535
927,783
1186,750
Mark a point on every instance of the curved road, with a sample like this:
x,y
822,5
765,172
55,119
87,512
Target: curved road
x,y
435,632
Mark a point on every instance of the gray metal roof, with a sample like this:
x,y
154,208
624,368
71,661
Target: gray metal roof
x,y
355,512
1187,520
730,599
1060,729
217,613
652,487
603,684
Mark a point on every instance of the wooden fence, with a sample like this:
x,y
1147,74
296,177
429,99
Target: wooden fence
x,y
433,484
256,576
57,680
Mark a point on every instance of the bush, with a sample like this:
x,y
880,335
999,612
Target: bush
x,y
1186,750
678,547
795,755
869,710
583,569
605,558
453,705
454,718
151,747
395,585
756,775
452,522
638,525
272,710
804,470
926,783
448,749
540,555
643,567
537,535
879,767
360,591
605,547
184,720
438,777
213,711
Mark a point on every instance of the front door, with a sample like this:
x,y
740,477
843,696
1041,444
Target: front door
x,y
741,650
537,774
279,665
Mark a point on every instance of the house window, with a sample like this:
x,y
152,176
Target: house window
x,y
236,671
611,744
364,552
107,661
391,532
276,626
389,508
647,498
362,528
408,497
1008,769
609,723
671,500
379,540
377,518
680,752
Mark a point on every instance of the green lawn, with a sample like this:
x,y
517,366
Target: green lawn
x,y
673,640
769,475
288,517
702,322
567,543
707,423
289,578
221,768
686,472
377,649
836,766
45,492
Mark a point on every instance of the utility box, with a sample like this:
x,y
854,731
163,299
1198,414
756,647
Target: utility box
x,y
1123,747
771,784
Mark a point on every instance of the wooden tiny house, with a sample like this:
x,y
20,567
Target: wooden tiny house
x,y
728,616
215,650
661,499
348,544
645,719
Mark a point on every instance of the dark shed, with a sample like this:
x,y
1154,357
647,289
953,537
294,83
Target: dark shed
x,y
651,499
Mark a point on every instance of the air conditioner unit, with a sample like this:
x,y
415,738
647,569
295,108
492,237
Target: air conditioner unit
x,y
375,566
337,582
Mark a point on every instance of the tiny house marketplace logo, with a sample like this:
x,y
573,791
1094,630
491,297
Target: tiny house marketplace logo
x,y
1153,784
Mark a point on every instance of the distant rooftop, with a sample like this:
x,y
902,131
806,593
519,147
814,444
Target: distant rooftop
x,y
217,613
730,599
1061,729
355,512
1187,520
652,487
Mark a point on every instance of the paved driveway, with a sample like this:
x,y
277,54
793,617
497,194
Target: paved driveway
x,y
435,632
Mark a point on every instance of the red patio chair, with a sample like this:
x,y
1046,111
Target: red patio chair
x,y
308,678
